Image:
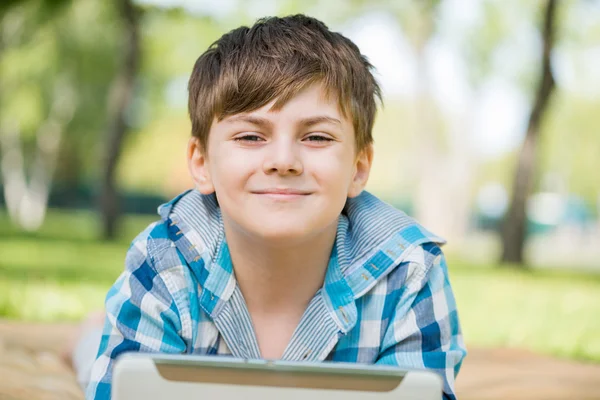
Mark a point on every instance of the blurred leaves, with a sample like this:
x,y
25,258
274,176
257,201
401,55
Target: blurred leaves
x,y
44,9
571,147
43,41
81,37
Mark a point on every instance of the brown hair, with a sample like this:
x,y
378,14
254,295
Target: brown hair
x,y
275,59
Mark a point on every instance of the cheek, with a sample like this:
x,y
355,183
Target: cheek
x,y
334,171
230,170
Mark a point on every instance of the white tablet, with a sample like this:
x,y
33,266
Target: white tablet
x,y
174,377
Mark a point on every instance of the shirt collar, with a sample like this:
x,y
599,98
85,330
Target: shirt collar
x,y
372,238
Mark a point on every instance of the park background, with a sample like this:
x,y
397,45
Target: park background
x,y
489,136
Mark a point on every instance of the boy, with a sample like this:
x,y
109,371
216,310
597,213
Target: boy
x,y
278,252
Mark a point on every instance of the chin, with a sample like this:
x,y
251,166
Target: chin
x,y
283,233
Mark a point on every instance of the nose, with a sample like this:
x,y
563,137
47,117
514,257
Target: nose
x,y
283,158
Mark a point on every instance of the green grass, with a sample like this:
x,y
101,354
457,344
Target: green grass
x,y
64,271
552,312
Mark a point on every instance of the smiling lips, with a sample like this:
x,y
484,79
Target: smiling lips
x,y
282,193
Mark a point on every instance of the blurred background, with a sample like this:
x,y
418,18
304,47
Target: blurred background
x,y
490,136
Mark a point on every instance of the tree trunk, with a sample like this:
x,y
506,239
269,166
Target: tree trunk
x,y
515,222
27,202
120,98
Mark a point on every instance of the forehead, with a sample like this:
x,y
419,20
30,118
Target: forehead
x,y
311,98
312,101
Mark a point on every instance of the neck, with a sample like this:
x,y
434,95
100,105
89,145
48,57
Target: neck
x,y
280,277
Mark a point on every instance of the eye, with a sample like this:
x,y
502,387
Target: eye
x,y
248,138
318,138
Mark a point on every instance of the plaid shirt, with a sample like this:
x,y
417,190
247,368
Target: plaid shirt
x,y
386,298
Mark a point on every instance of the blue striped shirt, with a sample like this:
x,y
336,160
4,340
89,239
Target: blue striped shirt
x,y
386,297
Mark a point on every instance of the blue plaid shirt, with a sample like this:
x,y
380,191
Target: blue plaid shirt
x,y
386,298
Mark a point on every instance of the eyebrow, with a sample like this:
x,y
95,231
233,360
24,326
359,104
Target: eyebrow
x,y
251,119
264,122
319,119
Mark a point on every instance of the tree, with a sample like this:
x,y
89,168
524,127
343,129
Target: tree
x,y
120,98
27,199
515,222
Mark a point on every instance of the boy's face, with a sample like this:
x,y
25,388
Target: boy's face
x,y
284,175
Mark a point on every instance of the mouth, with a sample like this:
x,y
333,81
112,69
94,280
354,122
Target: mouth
x,y
282,193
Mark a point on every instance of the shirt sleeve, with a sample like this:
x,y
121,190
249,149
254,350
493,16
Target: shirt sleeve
x,y
141,316
424,332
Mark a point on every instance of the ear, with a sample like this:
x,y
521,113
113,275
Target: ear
x,y
362,169
198,166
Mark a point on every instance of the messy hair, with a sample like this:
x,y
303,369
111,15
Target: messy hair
x,y
275,59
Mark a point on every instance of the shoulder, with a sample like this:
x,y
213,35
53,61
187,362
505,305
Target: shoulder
x,y
383,245
413,280
153,255
155,245
158,270
372,225
149,244
415,269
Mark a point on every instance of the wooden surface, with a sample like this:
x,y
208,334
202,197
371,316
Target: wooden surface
x,y
517,374
30,365
31,368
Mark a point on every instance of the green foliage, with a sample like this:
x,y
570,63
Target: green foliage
x,y
571,144
45,8
49,42
89,38
494,46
